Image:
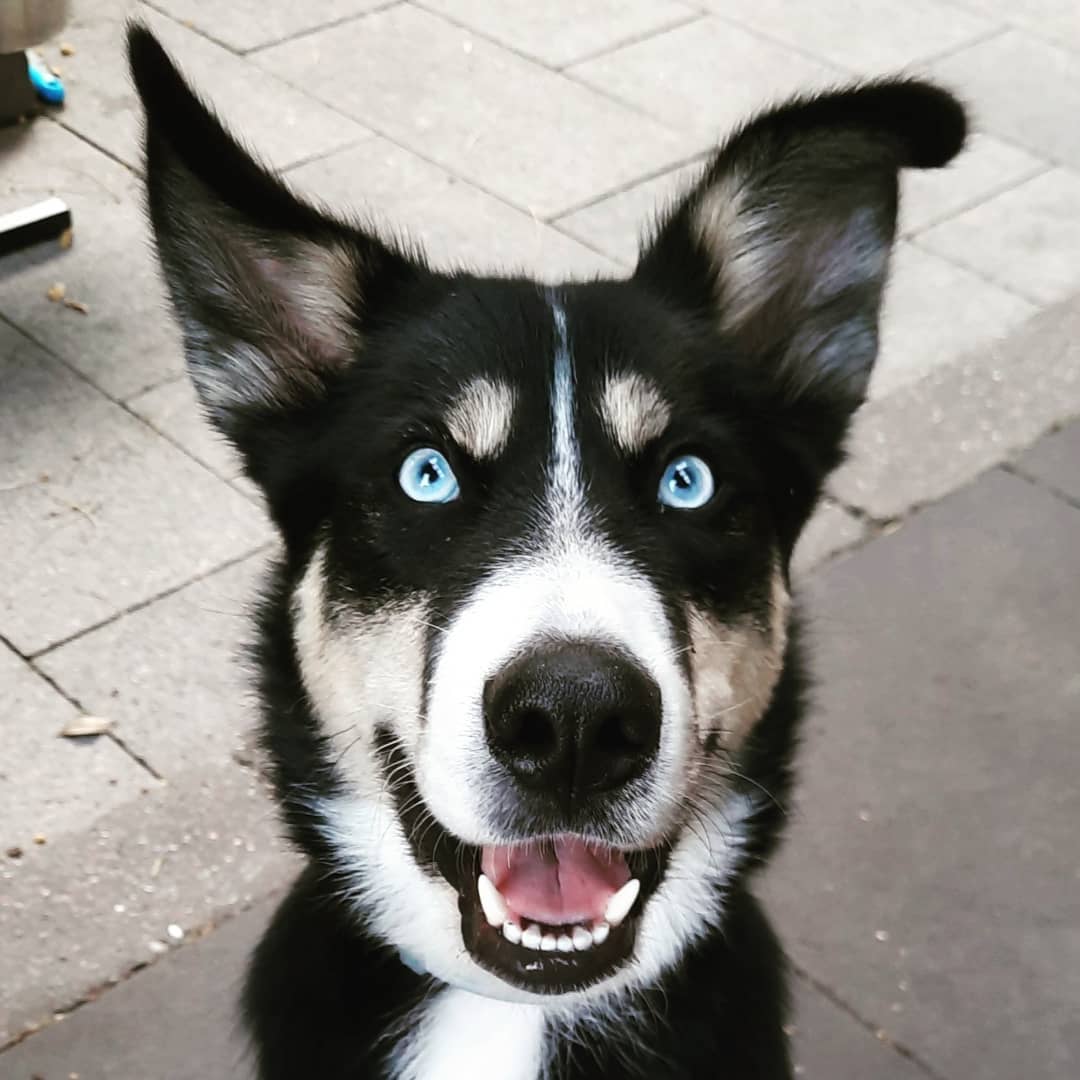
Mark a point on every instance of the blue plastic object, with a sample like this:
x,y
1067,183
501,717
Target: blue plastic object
x,y
46,85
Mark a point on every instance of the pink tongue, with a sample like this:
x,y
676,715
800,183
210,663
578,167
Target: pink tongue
x,y
556,881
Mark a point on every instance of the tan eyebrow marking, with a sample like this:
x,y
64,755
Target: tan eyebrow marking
x,y
633,410
480,419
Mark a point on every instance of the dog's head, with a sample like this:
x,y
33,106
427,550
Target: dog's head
x,y
537,537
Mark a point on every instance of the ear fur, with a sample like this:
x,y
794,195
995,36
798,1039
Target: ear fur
x,y
783,244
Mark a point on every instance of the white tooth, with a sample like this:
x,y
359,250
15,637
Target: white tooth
x,y
582,939
495,910
618,907
512,932
548,943
532,937
600,932
565,943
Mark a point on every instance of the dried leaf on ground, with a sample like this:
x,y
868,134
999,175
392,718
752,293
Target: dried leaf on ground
x,y
85,725
78,305
56,292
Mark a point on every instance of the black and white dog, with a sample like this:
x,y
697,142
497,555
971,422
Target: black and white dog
x,y
529,675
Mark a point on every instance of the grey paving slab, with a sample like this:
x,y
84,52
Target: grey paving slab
x,y
81,912
171,675
853,35
561,32
284,123
1055,461
50,785
537,139
172,409
935,312
121,1037
124,342
242,25
930,875
97,511
177,1019
986,167
705,77
1056,20
616,224
455,222
1021,88
931,437
829,530
1027,239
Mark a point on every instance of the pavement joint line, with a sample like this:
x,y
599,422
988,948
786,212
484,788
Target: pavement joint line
x,y
147,601
970,43
1017,470
1036,171
192,935
1039,305
1019,27
59,121
187,24
694,15
879,1032
322,155
587,244
311,30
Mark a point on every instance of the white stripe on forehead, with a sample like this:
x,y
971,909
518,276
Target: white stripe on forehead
x,y
564,473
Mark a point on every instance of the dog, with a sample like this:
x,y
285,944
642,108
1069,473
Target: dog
x,y
529,670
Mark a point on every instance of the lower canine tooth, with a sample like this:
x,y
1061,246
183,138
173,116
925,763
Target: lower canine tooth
x,y
618,907
582,939
512,932
600,932
491,901
532,937
548,943
565,943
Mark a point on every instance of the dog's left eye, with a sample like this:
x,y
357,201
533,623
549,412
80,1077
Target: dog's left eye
x,y
687,483
426,476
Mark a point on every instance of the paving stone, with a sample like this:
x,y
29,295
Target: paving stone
x,y
81,912
932,862
456,223
120,1036
852,36
567,30
986,167
1023,89
39,795
1027,238
176,1019
831,529
171,675
927,439
1056,20
616,224
98,512
1055,461
537,139
242,25
283,123
935,312
706,77
172,409
124,342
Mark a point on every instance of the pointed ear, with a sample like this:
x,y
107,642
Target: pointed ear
x,y
783,244
272,295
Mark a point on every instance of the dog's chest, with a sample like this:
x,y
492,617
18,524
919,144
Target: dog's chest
x,y
465,1035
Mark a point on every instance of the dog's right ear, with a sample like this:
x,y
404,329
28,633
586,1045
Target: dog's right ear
x,y
272,295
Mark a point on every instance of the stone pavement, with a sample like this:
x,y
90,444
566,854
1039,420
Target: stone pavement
x,y
540,136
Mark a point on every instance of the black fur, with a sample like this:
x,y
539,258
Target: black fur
x,y
325,352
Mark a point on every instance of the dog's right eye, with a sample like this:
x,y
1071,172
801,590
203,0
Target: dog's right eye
x,y
687,483
425,476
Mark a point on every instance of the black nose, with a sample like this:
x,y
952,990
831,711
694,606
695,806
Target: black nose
x,y
573,719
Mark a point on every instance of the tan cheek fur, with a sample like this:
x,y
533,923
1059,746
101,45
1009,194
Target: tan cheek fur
x,y
735,668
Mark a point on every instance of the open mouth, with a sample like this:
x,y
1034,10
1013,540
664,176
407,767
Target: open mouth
x,y
550,915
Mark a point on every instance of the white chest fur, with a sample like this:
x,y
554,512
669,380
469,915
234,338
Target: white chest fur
x,y
463,1036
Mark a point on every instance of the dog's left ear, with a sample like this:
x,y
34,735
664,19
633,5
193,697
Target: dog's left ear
x,y
783,244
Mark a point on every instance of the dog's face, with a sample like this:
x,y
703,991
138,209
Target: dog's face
x,y
537,538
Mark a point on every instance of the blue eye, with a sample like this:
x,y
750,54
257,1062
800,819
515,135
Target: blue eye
x,y
426,476
687,483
